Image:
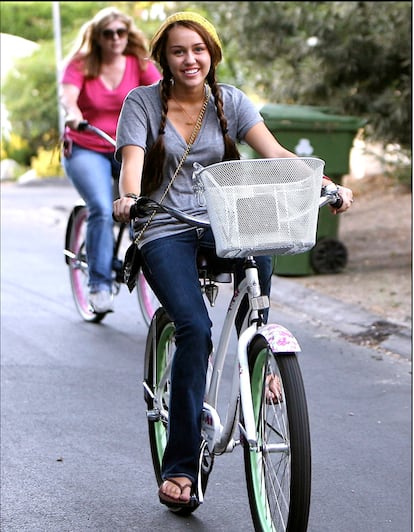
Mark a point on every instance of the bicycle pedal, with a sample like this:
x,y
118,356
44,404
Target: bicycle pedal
x,y
211,291
232,445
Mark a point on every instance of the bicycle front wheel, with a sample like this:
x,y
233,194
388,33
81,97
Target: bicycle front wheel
x,y
158,355
78,263
278,472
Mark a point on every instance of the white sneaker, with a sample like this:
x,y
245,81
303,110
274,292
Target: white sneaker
x,y
101,302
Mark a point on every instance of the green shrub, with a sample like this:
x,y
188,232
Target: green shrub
x,y
398,165
47,163
16,148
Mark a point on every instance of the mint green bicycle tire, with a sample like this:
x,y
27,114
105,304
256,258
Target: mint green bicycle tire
x,y
155,367
278,482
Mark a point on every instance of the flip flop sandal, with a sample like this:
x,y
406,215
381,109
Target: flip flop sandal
x,y
177,503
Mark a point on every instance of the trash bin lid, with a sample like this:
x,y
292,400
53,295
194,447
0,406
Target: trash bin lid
x,y
307,117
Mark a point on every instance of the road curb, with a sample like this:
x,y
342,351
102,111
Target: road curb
x,y
351,321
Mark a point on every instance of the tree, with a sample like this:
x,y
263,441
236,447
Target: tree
x,y
351,57
30,91
31,101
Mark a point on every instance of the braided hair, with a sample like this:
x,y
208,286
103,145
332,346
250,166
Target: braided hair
x,y
154,160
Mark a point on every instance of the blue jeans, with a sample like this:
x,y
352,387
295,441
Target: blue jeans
x,y
92,175
170,267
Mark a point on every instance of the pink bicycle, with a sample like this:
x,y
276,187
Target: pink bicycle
x,y
77,260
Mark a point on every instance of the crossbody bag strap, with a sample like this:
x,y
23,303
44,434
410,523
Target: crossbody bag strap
x,y
194,133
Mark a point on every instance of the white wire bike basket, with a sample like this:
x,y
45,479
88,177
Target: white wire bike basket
x,y
262,206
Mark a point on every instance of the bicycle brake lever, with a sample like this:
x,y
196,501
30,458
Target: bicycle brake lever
x,y
331,195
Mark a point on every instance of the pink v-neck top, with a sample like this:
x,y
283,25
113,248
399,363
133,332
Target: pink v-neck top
x,y
100,105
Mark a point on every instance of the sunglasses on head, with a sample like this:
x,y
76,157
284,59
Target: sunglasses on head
x,y
110,34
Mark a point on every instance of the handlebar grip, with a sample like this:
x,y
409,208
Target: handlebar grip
x,y
332,195
133,211
139,208
338,203
83,125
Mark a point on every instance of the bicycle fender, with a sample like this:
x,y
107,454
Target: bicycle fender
x,y
280,339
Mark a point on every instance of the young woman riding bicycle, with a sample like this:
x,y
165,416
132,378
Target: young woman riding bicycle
x,y
155,126
109,59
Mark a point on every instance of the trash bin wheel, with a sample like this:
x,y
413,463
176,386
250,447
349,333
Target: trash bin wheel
x,y
328,256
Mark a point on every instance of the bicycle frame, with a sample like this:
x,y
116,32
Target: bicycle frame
x,y
279,339
273,334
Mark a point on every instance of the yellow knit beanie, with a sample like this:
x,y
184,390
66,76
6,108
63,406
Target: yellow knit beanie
x,y
185,15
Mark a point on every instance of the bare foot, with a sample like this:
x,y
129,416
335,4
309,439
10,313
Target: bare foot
x,y
177,488
273,389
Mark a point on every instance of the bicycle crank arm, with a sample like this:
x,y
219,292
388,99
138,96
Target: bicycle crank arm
x,y
69,254
72,255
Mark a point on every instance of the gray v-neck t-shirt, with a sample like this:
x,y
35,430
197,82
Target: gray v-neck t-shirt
x,y
138,125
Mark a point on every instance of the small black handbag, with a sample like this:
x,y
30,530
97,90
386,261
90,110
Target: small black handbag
x,y
131,266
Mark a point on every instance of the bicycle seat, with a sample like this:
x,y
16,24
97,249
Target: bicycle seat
x,y
215,268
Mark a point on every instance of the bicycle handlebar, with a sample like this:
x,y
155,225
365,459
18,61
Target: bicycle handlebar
x,y
86,126
331,196
145,206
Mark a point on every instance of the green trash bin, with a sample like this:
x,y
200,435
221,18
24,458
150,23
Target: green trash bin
x,y
314,132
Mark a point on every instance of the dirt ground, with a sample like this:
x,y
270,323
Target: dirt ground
x,y
377,232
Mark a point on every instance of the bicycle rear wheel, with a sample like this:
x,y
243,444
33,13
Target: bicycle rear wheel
x,y
278,472
148,301
159,351
78,263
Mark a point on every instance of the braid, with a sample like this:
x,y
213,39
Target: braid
x,y
152,173
230,149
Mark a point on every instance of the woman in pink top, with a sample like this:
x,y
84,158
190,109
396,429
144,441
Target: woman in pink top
x,y
109,59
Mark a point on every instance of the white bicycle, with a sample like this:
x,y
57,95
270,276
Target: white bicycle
x,y
264,206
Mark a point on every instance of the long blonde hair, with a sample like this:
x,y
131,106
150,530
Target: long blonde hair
x,y
87,49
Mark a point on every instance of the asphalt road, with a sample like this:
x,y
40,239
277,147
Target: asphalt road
x,y
74,447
